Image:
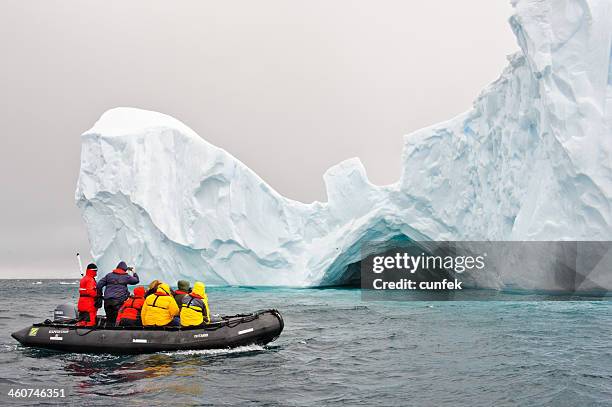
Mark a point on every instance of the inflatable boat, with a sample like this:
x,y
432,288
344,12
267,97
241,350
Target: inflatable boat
x,y
260,327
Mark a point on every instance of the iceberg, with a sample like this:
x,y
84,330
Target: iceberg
x,y
531,160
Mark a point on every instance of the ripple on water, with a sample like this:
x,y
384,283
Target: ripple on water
x,y
216,352
338,350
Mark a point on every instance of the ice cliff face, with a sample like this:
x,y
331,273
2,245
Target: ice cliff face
x,y
532,160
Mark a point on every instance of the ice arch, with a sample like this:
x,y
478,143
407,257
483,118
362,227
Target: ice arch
x,y
532,160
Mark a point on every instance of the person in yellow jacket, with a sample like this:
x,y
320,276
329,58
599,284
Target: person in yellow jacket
x,y
194,309
159,308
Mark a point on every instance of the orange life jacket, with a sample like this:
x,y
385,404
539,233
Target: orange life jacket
x,y
132,306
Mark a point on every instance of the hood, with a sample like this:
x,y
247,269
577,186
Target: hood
x,y
163,289
122,266
183,285
139,292
199,288
91,273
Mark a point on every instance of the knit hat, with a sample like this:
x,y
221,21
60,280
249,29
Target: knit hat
x,y
183,285
92,266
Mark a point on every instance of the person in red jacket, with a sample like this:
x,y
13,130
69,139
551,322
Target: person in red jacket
x,y
88,291
129,313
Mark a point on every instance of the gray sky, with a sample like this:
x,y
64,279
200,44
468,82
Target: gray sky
x,y
290,88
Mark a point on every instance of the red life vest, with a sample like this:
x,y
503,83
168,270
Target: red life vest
x,y
132,306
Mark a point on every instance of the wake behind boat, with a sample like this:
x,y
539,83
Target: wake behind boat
x,y
260,328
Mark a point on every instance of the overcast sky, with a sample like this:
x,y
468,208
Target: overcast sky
x,y
288,87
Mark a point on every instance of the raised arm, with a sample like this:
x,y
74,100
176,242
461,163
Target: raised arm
x,y
133,279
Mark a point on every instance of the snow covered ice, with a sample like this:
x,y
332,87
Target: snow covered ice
x,y
532,160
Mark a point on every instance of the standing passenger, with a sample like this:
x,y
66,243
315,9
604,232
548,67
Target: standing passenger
x,y
87,297
116,291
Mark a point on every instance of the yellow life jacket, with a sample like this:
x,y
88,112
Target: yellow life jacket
x,y
159,308
194,310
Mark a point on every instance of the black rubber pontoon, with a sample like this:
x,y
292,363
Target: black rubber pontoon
x,y
260,327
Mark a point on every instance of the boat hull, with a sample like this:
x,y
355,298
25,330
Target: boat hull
x,y
259,328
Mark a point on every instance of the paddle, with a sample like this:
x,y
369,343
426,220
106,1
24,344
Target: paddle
x,y
80,264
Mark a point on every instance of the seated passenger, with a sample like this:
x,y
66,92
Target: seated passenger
x,y
129,313
183,290
194,309
159,308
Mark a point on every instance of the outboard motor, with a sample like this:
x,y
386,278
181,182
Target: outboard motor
x,y
65,314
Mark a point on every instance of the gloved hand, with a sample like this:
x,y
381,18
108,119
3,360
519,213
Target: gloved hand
x,y
98,302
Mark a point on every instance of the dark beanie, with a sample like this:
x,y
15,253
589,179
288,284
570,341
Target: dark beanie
x,y
92,266
183,285
122,266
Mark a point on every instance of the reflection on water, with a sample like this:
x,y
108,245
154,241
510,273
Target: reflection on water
x,y
185,370
110,371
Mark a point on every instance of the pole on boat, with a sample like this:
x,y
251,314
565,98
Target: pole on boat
x,y
80,264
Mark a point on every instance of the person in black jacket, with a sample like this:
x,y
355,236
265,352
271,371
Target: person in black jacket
x,y
116,291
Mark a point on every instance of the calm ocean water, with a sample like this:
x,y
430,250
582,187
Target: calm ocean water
x,y
338,350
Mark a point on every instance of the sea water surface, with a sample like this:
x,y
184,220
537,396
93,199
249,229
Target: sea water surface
x,y
337,350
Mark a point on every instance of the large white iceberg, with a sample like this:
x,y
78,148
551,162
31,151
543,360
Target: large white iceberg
x,y
532,160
